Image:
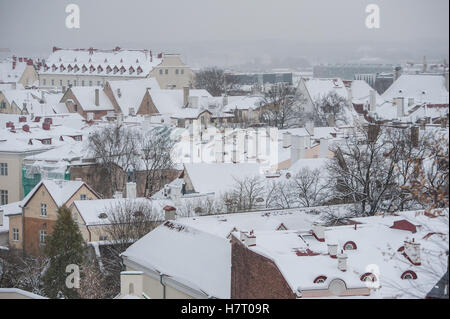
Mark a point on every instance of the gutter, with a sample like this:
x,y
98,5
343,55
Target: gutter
x,y
162,284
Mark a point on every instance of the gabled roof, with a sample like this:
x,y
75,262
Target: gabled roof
x,y
60,190
86,97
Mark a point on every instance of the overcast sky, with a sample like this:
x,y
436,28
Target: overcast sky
x,y
40,24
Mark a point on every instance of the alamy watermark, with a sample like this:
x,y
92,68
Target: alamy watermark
x,y
73,279
373,19
73,17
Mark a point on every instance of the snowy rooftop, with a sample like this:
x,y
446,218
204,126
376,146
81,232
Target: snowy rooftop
x,y
137,63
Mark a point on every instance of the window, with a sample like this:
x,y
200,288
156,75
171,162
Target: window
x,y
102,238
160,71
98,83
74,82
3,197
60,82
4,169
350,245
167,71
43,209
82,83
83,197
53,82
42,235
182,71
176,71
90,83
3,105
44,82
15,234
68,82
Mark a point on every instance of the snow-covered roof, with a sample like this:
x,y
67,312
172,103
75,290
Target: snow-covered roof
x,y
361,92
219,177
428,89
320,87
135,63
243,103
10,74
60,190
86,97
129,93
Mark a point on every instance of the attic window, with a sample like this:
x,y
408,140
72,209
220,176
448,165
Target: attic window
x,y
139,70
350,245
99,69
116,69
102,216
368,276
409,275
108,69
76,68
320,279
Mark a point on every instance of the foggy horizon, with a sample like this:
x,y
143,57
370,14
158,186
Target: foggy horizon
x,y
232,33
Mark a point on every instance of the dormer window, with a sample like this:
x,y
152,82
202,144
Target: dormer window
x,y
76,68
320,279
409,275
46,67
99,69
69,68
131,70
139,70
350,245
108,69
368,276
122,70
92,69
102,216
61,68
116,69
83,68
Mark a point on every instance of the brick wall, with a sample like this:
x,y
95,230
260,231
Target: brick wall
x,y
255,277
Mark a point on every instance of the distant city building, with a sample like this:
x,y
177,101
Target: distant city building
x,y
260,78
349,71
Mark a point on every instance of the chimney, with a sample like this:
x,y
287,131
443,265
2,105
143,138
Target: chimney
x,y
309,126
415,136
319,232
185,96
323,148
26,128
131,283
249,239
46,126
225,100
90,116
412,251
286,139
117,195
400,102
332,250
131,190
169,213
342,261
22,119
373,101
297,148
97,97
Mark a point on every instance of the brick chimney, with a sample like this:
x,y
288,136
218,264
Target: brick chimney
x,y
342,261
169,213
332,249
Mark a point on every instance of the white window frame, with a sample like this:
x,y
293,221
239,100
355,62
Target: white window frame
x,y
3,196
15,234
42,235
83,197
4,169
43,209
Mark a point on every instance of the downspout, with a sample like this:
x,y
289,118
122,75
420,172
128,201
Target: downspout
x,y
162,284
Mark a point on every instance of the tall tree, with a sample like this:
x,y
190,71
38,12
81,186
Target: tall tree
x,y
64,247
212,80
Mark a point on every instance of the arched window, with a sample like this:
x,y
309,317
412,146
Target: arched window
x,y
409,274
368,276
320,280
350,245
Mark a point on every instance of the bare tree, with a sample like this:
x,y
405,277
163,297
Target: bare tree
x,y
309,188
212,80
155,153
281,106
330,106
115,149
245,195
129,220
92,282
